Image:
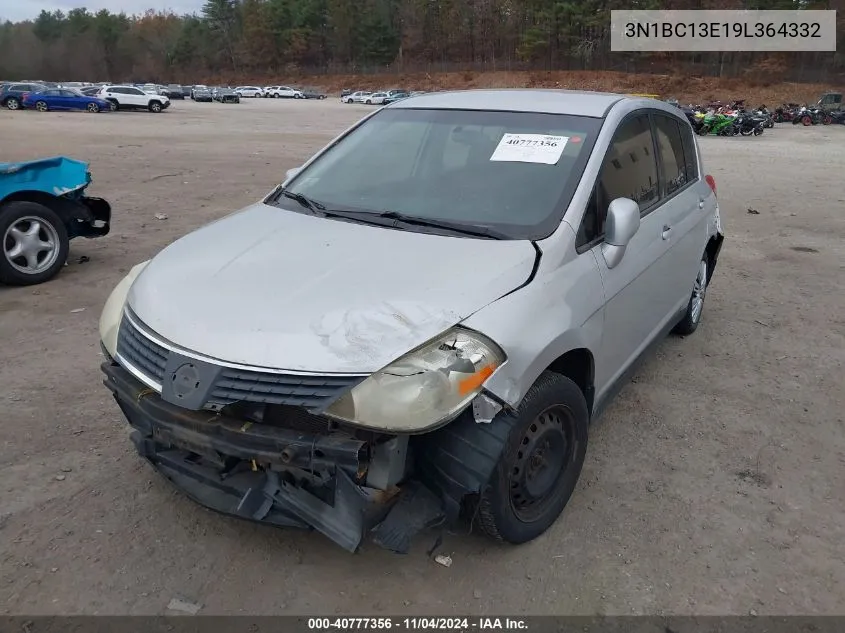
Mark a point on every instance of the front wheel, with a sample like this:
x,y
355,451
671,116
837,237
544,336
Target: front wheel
x,y
758,131
13,103
692,317
746,131
155,106
540,463
827,120
33,243
115,106
806,120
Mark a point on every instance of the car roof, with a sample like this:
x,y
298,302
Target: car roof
x,y
579,103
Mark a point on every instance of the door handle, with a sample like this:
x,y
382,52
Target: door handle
x,y
667,231
701,203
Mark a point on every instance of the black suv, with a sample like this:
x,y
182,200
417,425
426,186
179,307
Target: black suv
x,y
12,95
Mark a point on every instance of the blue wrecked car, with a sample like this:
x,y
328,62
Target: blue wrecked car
x,y
42,207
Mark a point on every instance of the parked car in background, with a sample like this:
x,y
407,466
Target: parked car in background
x,y
202,94
376,98
13,95
249,91
174,91
132,98
225,95
312,93
285,92
356,97
450,387
395,95
65,99
198,87
90,91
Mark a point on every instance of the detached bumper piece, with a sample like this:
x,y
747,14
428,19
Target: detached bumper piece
x,y
275,475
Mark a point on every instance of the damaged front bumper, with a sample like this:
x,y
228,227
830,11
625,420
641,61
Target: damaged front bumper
x,y
305,478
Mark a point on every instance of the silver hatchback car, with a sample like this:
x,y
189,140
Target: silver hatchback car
x,y
422,320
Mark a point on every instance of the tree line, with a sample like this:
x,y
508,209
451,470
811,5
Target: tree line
x,y
251,40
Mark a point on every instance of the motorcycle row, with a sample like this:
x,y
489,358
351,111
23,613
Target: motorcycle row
x,y
798,114
732,119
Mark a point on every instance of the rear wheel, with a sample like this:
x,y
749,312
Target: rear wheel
x,y
540,463
33,243
758,131
827,120
41,106
746,131
692,317
13,103
114,104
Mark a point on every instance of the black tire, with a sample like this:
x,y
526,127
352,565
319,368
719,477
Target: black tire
x,y
154,106
115,104
13,103
41,106
554,418
93,107
692,317
746,131
12,213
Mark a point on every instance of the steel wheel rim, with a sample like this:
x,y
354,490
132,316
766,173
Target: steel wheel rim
x,y
698,292
546,450
31,245
41,106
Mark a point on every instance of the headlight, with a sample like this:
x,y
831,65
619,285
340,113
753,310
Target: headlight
x,y
424,388
112,312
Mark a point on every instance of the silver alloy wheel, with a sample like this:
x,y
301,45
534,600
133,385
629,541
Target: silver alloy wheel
x,y
31,245
41,106
93,107
12,104
699,291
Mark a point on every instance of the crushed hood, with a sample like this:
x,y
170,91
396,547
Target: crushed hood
x,y
269,287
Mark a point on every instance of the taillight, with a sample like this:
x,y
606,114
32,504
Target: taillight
x,y
24,96
712,182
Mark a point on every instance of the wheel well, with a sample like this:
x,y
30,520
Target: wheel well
x,y
579,367
67,210
712,252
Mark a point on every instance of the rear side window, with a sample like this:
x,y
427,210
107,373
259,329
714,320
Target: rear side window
x,y
672,162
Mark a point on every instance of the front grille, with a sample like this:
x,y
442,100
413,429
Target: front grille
x,y
144,354
148,357
236,385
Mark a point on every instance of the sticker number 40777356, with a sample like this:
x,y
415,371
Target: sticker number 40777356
x,y
529,148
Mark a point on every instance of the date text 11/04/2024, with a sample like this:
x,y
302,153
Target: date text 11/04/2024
x,y
458,625
716,30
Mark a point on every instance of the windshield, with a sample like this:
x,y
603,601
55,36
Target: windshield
x,y
511,171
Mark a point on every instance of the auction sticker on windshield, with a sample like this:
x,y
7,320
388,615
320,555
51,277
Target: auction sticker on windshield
x,y
529,148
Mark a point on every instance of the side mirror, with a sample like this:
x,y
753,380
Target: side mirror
x,y
623,221
290,173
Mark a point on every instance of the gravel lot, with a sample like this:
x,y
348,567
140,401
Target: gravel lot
x,y
714,485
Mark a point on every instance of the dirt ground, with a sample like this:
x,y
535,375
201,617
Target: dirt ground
x,y
715,484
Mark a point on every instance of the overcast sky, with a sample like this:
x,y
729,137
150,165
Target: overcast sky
x,y
16,10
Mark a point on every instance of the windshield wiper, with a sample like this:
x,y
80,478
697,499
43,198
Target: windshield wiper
x,y
457,227
305,201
